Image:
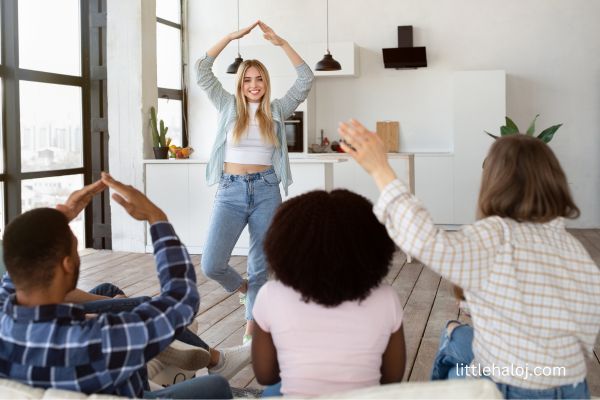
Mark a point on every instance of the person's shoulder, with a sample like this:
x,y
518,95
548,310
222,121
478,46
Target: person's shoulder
x,y
384,292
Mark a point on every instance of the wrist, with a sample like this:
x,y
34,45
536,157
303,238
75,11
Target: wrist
x,y
383,176
158,216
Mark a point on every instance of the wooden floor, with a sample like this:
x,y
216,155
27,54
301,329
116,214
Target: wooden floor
x,y
427,299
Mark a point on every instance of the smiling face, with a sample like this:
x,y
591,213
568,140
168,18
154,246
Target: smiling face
x,y
253,85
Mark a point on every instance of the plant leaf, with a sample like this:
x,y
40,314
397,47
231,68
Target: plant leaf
x,y
512,127
493,136
506,131
531,128
547,134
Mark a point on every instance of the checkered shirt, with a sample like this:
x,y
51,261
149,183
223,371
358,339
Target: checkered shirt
x,y
55,346
533,290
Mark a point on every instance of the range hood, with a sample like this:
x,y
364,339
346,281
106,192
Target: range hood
x,y
405,55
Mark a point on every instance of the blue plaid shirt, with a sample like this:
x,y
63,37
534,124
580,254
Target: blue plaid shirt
x,y
55,346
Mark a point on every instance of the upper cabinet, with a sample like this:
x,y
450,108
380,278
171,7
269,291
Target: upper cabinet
x,y
346,53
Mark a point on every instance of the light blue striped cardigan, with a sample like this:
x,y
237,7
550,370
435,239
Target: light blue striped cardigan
x,y
225,104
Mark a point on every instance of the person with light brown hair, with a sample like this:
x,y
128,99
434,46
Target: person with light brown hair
x,y
249,159
532,289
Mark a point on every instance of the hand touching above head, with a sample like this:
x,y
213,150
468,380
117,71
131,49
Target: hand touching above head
x,y
242,32
133,201
270,35
368,150
79,199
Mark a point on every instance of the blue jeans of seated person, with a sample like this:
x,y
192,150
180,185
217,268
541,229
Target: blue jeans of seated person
x,y
241,200
128,304
456,352
202,387
272,390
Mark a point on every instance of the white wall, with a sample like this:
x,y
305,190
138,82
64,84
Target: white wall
x,y
131,91
550,50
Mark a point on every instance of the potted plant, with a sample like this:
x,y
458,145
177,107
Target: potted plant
x,y
511,129
159,136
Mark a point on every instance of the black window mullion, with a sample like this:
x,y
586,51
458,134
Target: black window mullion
x,y
170,94
169,23
49,77
12,137
50,173
98,229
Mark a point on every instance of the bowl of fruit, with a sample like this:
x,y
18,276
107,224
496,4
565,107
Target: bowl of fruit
x,y
180,152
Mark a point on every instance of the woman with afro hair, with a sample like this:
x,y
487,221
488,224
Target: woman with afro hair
x,y
327,323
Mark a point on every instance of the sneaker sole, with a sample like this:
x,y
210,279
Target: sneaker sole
x,y
189,358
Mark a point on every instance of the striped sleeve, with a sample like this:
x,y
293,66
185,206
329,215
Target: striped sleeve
x,y
206,79
462,257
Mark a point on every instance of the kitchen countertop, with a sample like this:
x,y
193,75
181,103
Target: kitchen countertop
x,y
325,158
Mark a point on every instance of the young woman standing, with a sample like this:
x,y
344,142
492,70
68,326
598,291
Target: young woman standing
x,y
249,159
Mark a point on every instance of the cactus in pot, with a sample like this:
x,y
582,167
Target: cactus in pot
x,y
159,136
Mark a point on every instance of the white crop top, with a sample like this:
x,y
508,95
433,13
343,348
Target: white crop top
x,y
251,149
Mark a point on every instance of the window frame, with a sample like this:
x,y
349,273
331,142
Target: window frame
x,y
178,94
93,101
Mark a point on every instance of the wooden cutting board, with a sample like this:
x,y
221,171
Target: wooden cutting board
x,y
389,132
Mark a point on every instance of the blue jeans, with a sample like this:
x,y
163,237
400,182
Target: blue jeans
x,y
111,305
128,304
456,352
241,200
272,390
202,387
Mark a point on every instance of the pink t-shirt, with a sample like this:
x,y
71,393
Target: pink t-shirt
x,y
324,350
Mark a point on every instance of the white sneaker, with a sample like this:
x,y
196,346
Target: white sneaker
x,y
184,356
171,375
161,375
234,360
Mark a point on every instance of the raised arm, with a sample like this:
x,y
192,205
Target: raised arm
x,y
462,257
155,323
218,47
206,79
299,90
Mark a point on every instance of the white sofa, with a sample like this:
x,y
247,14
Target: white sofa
x,y
15,390
456,389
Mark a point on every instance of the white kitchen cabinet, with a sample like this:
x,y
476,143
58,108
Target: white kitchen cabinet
x,y
434,185
353,177
179,188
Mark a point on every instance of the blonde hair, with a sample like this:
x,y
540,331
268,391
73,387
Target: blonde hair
x,y
523,180
263,113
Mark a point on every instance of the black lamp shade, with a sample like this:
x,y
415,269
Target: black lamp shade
x,y
232,69
328,64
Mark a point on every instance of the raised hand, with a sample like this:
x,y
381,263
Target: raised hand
x,y
242,32
133,201
79,199
368,150
270,35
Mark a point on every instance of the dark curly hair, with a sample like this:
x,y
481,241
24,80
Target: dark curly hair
x,y
330,247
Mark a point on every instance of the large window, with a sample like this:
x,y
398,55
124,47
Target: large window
x,y
172,96
52,121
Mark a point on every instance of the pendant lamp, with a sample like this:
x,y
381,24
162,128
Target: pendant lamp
x,y
232,69
328,63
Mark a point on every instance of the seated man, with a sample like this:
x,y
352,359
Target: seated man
x,y
49,344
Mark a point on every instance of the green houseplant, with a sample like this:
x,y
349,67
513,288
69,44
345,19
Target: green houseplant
x,y
511,129
159,136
